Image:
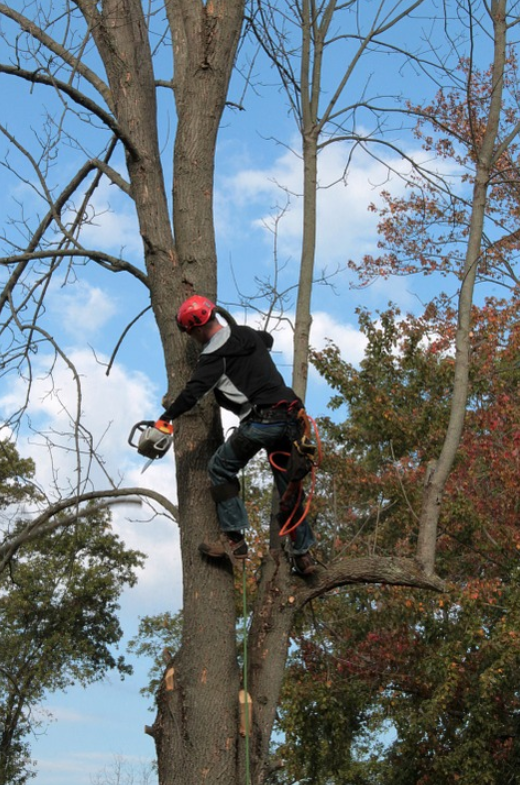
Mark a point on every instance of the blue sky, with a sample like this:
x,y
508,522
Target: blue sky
x,y
254,174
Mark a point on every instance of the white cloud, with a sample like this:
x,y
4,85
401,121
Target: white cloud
x,y
349,339
82,309
114,226
62,714
110,405
345,226
250,200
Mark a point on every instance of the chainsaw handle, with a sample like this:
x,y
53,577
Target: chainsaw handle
x,y
139,426
162,425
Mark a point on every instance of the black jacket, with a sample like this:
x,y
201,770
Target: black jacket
x,y
237,366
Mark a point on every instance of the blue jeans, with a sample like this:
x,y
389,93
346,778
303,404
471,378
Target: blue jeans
x,y
231,457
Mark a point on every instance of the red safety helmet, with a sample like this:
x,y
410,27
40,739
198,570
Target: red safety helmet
x,y
194,312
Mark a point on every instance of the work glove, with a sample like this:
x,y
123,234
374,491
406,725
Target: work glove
x,y
167,400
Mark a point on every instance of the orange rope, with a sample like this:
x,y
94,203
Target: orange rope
x,y
275,465
287,528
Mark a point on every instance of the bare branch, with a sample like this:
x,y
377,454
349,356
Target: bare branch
x,y
53,516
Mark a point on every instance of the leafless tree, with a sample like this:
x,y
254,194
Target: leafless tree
x,y
320,51
124,772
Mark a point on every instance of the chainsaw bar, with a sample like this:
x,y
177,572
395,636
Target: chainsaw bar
x,y
147,465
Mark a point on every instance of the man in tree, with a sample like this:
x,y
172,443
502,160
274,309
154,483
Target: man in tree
x,y
235,363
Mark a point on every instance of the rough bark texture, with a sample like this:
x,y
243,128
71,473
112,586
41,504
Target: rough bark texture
x,y
196,730
280,596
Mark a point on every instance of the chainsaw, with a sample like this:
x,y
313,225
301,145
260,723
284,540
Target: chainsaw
x,y
155,439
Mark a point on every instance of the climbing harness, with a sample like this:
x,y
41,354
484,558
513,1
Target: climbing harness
x,y
304,459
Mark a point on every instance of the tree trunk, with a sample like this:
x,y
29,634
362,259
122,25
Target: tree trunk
x,y
310,79
303,321
485,155
271,623
196,729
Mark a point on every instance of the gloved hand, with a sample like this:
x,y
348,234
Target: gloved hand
x,y
167,400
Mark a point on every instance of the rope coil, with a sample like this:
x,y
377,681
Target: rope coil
x,y
304,459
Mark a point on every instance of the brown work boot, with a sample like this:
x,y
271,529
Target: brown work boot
x,y
225,548
304,564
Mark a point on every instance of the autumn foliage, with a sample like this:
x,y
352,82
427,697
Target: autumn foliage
x,y
434,677
426,230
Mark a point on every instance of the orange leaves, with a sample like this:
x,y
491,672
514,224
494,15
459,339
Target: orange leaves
x,y
425,231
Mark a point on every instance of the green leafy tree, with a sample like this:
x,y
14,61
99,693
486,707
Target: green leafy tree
x,y
59,619
16,476
157,639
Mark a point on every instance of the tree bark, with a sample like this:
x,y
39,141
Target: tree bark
x,y
303,320
196,726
